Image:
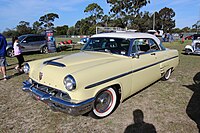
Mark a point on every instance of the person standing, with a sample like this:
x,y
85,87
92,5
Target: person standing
x,y
3,44
18,53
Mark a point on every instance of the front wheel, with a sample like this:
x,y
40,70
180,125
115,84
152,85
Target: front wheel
x,y
104,104
167,74
44,50
10,52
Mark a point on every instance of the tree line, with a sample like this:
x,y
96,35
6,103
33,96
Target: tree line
x,y
123,14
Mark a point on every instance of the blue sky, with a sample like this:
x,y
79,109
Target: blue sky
x,y
70,11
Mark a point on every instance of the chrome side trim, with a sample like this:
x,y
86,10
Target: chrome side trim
x,y
57,103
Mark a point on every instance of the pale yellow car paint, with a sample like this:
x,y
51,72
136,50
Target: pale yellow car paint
x,y
91,67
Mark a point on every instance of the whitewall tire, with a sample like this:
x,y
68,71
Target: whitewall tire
x,y
167,74
104,104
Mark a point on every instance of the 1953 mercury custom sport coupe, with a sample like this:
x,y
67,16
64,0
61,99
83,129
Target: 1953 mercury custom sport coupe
x,y
109,68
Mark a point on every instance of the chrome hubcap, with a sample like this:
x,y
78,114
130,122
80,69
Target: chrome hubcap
x,y
168,74
11,53
45,50
103,102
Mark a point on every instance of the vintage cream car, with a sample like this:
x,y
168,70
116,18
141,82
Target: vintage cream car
x,y
109,68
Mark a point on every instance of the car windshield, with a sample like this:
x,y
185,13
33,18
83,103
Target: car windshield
x,y
20,38
110,45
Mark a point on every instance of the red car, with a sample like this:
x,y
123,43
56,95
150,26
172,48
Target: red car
x,y
188,37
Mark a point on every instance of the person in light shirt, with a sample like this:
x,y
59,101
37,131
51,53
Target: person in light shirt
x,y
18,54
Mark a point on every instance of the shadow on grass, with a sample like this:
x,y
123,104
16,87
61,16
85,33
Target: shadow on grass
x,y
11,68
12,76
139,126
193,107
190,54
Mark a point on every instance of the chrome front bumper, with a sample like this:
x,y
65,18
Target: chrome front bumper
x,y
58,104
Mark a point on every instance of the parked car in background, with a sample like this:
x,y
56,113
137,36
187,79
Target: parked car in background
x,y
109,68
83,40
30,42
194,48
189,37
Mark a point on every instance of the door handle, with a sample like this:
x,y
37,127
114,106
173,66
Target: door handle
x,y
153,53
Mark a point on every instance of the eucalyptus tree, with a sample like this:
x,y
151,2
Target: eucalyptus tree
x,y
23,28
62,30
82,26
48,19
37,27
166,16
126,10
196,26
95,12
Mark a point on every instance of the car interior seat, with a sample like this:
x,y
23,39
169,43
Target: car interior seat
x,y
144,48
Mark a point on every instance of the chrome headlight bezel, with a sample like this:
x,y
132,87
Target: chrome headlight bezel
x,y
26,68
69,83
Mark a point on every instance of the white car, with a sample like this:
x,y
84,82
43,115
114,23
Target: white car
x,y
83,41
195,47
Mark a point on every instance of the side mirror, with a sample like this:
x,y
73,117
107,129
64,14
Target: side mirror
x,y
135,55
24,41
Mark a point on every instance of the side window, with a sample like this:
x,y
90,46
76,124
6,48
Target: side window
x,y
125,44
29,39
40,38
141,45
153,45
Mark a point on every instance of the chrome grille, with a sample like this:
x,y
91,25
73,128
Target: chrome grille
x,y
54,92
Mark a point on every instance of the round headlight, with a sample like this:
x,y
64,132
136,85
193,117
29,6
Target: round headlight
x,y
26,68
69,82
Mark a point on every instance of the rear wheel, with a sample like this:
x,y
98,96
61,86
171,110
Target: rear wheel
x,y
10,52
104,104
167,74
188,51
44,50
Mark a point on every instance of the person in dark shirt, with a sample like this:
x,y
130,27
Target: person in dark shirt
x,y
3,44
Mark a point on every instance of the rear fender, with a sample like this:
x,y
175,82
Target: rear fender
x,y
189,47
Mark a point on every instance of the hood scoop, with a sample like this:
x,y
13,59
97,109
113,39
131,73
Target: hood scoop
x,y
53,63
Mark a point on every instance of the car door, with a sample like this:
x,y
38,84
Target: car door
x,y
145,66
26,43
161,56
37,43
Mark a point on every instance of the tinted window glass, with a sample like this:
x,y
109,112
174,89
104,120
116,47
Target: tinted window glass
x,y
30,39
20,38
40,38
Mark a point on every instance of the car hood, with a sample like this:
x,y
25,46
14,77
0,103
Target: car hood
x,y
81,60
51,72
196,41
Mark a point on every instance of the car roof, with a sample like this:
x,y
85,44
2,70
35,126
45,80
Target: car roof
x,y
127,35
33,35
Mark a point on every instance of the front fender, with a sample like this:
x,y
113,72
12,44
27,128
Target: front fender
x,y
189,47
